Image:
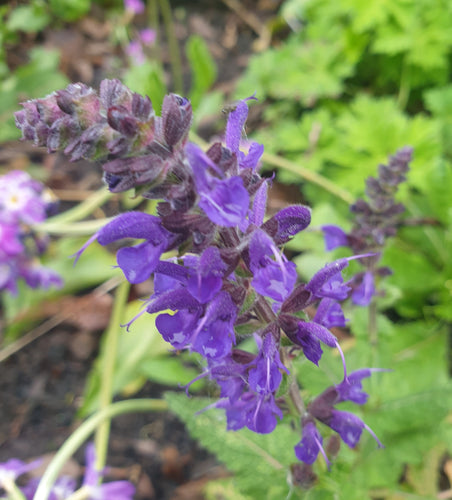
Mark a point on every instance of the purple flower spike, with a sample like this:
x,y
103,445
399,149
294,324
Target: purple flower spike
x,y
334,237
349,427
310,445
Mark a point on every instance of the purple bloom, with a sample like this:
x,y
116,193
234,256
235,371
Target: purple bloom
x,y
363,293
328,281
147,36
350,389
37,276
206,279
287,223
224,200
13,468
229,374
266,376
274,278
334,237
64,487
310,445
139,261
135,51
256,412
9,239
204,329
22,199
23,203
233,139
329,314
116,490
214,335
308,335
134,6
349,427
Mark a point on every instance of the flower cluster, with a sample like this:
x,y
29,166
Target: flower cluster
x,y
23,203
229,269
375,221
66,486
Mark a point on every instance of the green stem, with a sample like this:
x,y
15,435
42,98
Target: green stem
x,y
109,357
308,175
405,85
79,436
12,489
80,211
176,64
72,229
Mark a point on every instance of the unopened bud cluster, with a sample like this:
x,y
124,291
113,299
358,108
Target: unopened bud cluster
x,y
375,220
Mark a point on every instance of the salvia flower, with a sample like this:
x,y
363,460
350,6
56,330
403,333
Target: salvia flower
x,y
24,202
228,277
375,221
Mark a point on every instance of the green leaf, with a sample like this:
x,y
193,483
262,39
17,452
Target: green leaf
x,y
168,370
203,68
147,79
298,71
28,18
69,10
260,462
